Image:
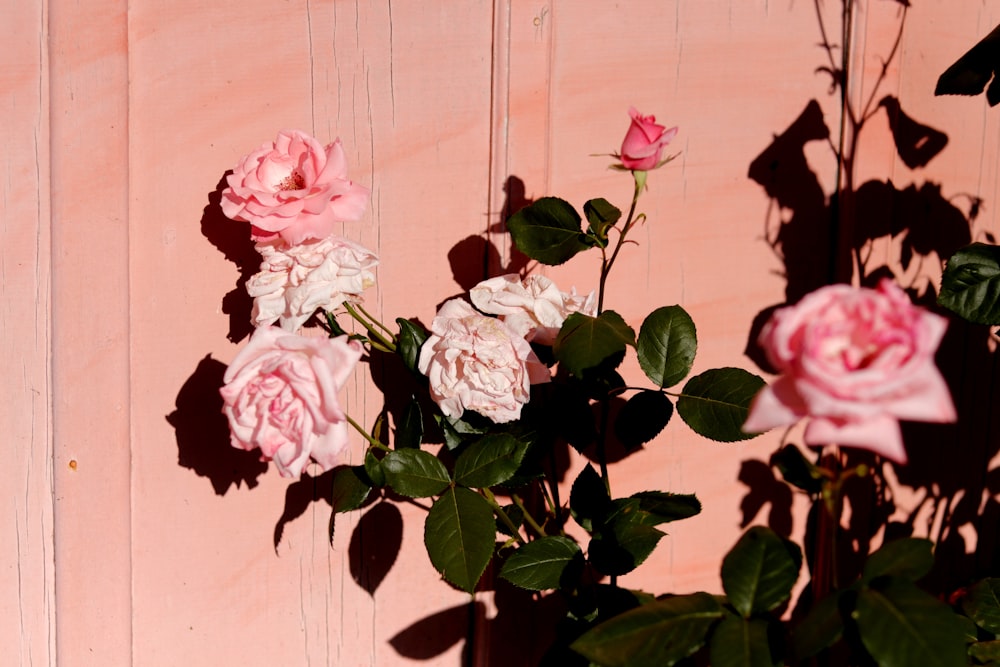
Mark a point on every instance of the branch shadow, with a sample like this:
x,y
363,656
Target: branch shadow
x,y
823,238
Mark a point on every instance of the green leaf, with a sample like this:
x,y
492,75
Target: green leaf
x,y
459,535
821,627
602,217
410,431
349,488
666,345
716,403
335,328
490,461
589,343
902,626
970,285
759,572
588,498
796,470
415,473
741,642
665,507
539,565
642,418
624,539
986,652
658,634
910,558
982,604
373,468
411,338
457,430
548,231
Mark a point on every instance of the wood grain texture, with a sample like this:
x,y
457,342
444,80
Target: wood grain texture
x,y
26,551
122,283
91,400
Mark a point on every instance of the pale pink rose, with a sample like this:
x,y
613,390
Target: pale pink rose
x,y
644,142
477,363
534,309
293,188
295,281
280,396
855,361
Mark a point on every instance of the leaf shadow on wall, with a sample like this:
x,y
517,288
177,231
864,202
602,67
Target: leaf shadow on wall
x,y
232,238
881,229
203,433
531,618
476,257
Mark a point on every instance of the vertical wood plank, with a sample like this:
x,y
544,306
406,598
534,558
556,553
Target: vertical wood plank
x,y
405,87
166,548
26,576
88,58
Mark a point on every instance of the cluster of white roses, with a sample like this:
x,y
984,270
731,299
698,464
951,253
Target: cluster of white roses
x,y
486,364
280,392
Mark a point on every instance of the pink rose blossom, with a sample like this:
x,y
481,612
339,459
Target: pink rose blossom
x,y
855,361
295,281
293,188
477,363
534,309
644,142
280,395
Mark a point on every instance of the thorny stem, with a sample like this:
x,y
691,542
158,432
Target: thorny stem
x,y
515,533
825,569
606,263
554,498
528,518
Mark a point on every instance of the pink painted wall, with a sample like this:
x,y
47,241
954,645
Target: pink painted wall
x,y
134,534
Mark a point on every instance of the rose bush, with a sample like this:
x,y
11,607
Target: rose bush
x,y
855,361
644,142
534,308
477,363
280,395
295,281
293,188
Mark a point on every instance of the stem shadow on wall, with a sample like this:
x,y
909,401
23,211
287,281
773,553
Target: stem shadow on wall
x,y
846,236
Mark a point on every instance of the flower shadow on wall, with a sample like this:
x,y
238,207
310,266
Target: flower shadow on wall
x,y
201,429
841,236
203,433
232,239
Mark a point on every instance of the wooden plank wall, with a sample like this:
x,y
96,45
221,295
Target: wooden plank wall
x,y
136,536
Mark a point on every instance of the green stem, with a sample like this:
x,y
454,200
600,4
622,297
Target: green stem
x,y
367,436
554,501
370,326
514,531
606,263
374,320
602,436
825,576
528,519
